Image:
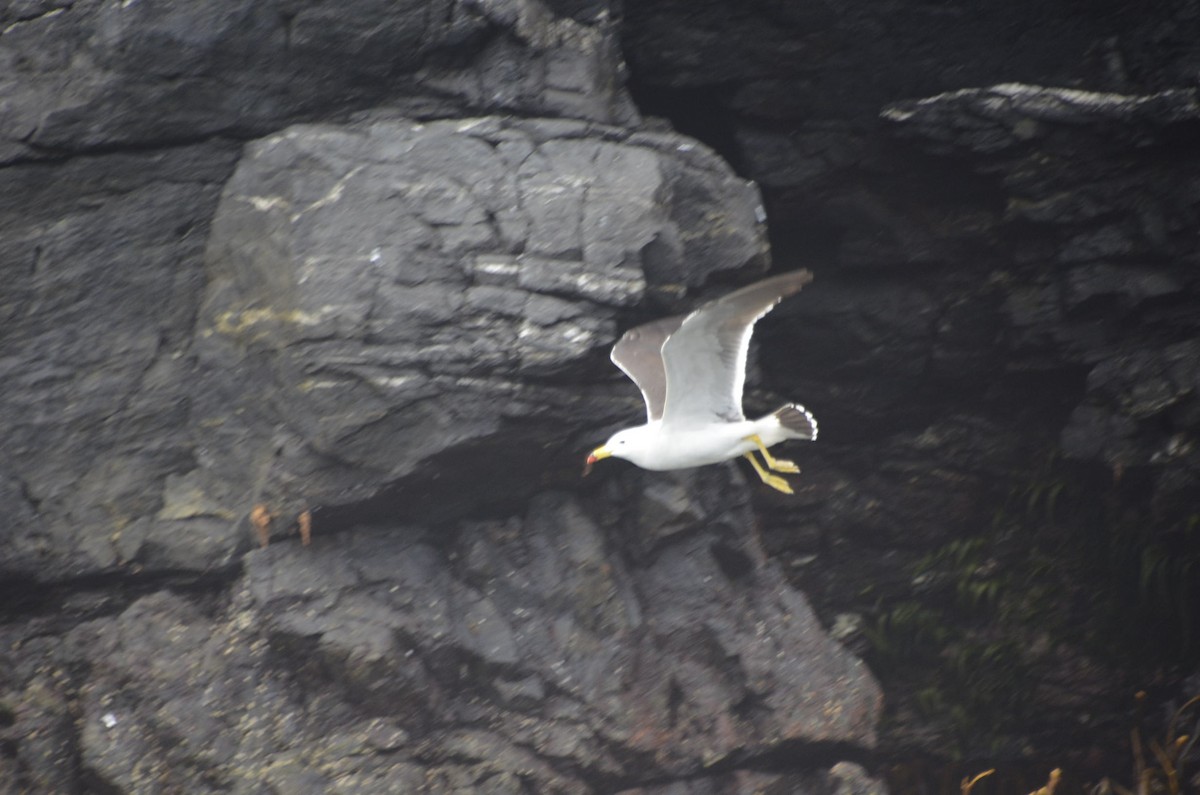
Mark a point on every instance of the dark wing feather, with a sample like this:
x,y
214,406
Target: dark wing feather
x,y
705,359
639,355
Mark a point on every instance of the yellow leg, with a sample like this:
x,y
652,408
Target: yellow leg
x,y
777,464
774,481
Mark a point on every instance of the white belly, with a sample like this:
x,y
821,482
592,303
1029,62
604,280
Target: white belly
x,y
709,444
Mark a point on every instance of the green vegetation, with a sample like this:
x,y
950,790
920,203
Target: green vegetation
x,y
1058,574
969,679
1162,591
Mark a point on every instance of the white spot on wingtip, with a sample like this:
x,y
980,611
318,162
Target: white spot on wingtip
x,y
109,720
812,420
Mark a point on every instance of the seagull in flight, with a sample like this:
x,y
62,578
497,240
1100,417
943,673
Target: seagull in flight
x,y
691,370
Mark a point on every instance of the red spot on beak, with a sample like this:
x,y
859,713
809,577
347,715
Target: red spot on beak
x,y
587,467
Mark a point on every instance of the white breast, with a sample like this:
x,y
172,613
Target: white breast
x,y
697,446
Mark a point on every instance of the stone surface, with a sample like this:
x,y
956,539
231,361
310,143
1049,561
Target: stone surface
x,y
538,627
843,778
102,257
394,312
999,208
1114,278
365,260
103,73
529,652
398,326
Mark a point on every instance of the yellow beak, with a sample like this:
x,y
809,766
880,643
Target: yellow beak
x,y
597,454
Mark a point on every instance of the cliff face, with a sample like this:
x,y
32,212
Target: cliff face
x,y
354,269
1000,204
358,266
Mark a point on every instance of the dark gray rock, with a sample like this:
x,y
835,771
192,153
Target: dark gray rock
x,y
1141,406
37,727
390,328
99,74
539,627
844,778
403,329
1120,246
102,265
531,653
787,66
176,700
990,120
1003,260
480,288
386,301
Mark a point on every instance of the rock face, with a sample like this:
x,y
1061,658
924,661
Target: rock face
x,y
107,207
102,258
359,264
1000,210
523,655
395,303
307,260
1117,287
82,75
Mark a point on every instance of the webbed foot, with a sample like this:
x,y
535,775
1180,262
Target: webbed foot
x,y
774,481
777,464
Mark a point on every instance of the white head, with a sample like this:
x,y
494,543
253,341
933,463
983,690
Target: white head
x,y
632,444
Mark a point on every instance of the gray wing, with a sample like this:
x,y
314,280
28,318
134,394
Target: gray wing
x,y
705,359
639,355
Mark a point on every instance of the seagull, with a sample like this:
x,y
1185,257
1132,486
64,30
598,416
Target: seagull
x,y
691,370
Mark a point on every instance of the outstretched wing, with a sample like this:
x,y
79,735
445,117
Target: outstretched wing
x,y
705,359
639,355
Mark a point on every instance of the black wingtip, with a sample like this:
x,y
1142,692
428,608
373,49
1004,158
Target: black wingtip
x,y
797,420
